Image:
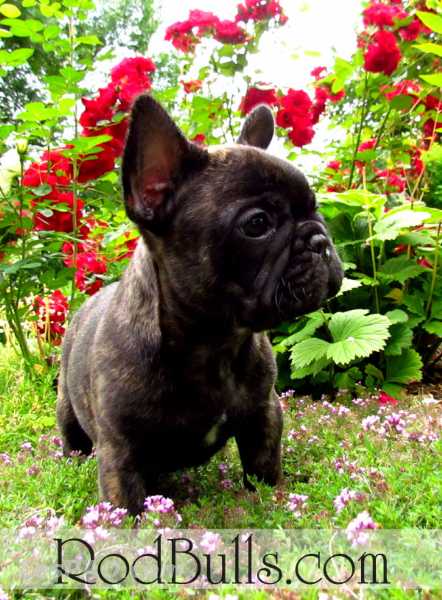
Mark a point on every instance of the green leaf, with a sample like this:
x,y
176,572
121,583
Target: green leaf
x,y
404,368
430,48
433,79
89,40
313,323
348,379
349,284
431,20
393,389
16,57
9,11
434,327
390,226
356,335
397,316
400,269
401,337
313,369
414,303
308,351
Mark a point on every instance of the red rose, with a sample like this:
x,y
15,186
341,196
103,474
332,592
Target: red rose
x,y
228,32
181,36
58,220
301,136
89,265
191,86
392,179
199,138
255,96
335,165
297,102
384,398
94,166
51,315
403,88
382,56
317,73
260,10
413,30
382,15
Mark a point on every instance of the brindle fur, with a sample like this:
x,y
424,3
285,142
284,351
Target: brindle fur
x,y
154,362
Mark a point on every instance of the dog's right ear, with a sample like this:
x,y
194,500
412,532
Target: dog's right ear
x,y
157,157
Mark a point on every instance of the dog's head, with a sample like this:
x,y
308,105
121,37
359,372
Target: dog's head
x,y
235,232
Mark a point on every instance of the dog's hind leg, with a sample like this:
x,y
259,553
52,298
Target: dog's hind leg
x,y
73,435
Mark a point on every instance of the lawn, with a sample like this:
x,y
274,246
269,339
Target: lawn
x,y
389,458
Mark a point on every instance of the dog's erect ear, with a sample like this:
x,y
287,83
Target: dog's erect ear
x,y
258,128
157,157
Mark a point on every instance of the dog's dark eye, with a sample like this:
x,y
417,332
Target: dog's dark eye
x,y
257,225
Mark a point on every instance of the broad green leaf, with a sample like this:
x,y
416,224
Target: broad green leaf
x,y
356,334
401,337
390,226
430,48
404,368
400,269
9,11
89,40
359,198
397,316
313,369
16,57
433,79
393,389
349,284
313,323
308,351
434,327
414,303
430,20
348,378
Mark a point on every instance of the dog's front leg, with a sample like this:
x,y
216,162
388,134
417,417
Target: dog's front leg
x,y
259,443
120,481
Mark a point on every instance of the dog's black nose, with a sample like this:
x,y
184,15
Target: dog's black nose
x,y
319,244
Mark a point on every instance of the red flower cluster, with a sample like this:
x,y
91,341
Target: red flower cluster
x,y
383,54
383,15
323,93
192,86
394,180
260,10
185,35
102,114
258,94
54,170
296,114
89,265
51,315
405,87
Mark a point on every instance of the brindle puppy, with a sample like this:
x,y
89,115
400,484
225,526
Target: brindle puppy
x,y
160,369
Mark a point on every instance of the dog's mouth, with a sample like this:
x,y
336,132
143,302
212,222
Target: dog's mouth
x,y
304,287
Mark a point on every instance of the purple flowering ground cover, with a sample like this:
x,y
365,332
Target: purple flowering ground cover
x,y
351,463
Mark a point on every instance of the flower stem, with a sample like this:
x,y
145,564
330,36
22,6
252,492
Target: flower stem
x,y
360,128
434,273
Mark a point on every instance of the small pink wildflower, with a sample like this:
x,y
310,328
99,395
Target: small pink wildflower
x,y
297,503
357,529
346,496
57,441
5,459
226,484
343,411
370,422
33,470
223,468
209,542
159,504
26,447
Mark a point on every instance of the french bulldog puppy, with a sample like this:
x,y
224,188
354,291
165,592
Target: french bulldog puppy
x,y
160,369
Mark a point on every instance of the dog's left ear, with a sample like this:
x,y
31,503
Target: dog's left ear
x,y
258,128
157,159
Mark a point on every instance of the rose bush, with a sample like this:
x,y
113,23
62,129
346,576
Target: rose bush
x,y
63,232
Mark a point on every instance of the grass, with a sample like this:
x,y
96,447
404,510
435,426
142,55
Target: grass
x,y
326,449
